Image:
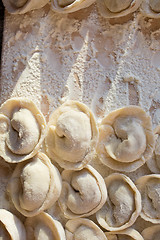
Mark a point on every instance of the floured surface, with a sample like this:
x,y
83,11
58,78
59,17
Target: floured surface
x,y
105,64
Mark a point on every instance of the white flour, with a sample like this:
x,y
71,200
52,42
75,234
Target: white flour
x,y
106,64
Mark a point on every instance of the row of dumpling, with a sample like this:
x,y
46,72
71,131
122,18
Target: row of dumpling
x,y
84,192
36,184
44,227
124,140
108,8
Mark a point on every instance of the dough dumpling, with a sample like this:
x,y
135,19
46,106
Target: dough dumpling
x,y
72,135
149,187
123,204
126,139
44,227
11,228
68,6
23,6
117,8
35,185
127,234
22,130
154,162
151,8
82,229
151,233
83,192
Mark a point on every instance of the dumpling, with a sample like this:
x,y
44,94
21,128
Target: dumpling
x,y
35,185
123,204
44,227
117,8
22,129
72,135
83,192
127,234
68,6
151,233
126,139
154,162
151,8
11,228
23,6
83,229
149,187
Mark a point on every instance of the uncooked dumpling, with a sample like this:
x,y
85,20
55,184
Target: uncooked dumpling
x,y
149,187
35,185
151,233
68,6
11,228
72,135
22,129
44,227
126,139
151,8
83,229
123,205
117,8
83,192
154,162
18,3
127,234
23,6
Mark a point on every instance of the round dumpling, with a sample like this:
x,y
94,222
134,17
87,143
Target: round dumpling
x,y
72,135
83,192
44,227
127,234
68,6
152,232
117,8
22,130
149,187
151,8
126,139
123,204
23,6
82,229
154,162
35,185
11,228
